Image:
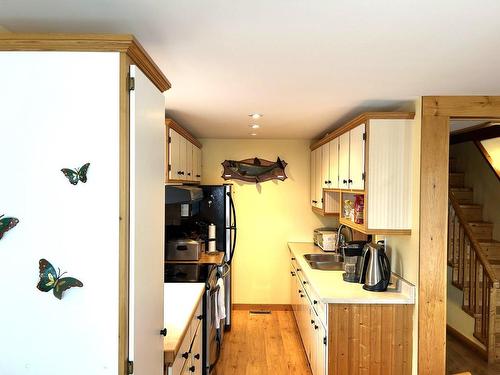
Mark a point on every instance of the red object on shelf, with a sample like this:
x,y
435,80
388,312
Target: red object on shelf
x,y
359,205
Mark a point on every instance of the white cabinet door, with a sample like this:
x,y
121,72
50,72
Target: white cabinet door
x,y
313,324
174,155
325,166
196,352
313,178
195,164
189,161
147,217
321,353
319,183
357,158
183,144
334,163
199,156
344,161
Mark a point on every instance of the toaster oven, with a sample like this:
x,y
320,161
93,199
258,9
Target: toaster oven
x,y
325,238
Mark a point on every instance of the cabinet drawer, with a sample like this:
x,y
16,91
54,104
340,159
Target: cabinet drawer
x,y
182,355
319,307
195,321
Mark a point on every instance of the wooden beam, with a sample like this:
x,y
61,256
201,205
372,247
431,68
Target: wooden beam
x,y
462,106
481,134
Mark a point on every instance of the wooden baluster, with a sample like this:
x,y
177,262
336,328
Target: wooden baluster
x,y
461,256
491,339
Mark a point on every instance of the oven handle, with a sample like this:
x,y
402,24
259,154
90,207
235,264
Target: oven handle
x,y
225,272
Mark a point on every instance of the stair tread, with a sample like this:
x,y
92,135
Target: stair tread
x,y
485,223
457,173
489,242
469,205
460,189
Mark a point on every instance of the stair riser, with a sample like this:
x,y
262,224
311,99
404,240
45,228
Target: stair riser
x,y
464,197
482,232
456,180
473,213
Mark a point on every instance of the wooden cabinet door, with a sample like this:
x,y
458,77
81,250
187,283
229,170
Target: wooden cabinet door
x,y
174,155
319,183
333,146
344,161
183,143
189,161
325,166
357,158
313,178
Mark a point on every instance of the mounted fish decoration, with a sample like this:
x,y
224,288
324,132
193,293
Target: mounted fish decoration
x,y
50,279
6,224
254,170
77,174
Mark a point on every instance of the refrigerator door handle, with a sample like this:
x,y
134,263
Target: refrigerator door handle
x,y
233,227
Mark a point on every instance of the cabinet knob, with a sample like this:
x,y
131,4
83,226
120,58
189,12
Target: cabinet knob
x,y
185,355
344,181
163,332
293,258
316,327
192,369
350,181
304,282
312,321
315,302
198,175
301,296
189,174
292,273
197,356
199,317
326,182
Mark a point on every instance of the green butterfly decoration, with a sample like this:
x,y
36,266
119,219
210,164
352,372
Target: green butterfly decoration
x,y
77,174
52,280
6,224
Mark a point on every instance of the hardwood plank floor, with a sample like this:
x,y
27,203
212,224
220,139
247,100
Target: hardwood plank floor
x,y
459,358
263,344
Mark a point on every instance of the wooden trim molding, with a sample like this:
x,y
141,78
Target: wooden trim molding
x,y
467,342
262,307
434,156
363,118
125,43
179,129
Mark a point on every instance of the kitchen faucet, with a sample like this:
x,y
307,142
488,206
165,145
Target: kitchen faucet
x,y
341,238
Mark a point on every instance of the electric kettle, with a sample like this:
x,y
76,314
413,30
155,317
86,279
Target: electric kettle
x,y
376,268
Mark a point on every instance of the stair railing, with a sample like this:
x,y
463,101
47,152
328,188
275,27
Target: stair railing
x,y
473,274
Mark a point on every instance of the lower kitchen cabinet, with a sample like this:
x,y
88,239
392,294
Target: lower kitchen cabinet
x,y
351,339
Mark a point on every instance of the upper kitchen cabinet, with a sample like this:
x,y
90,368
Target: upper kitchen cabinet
x,y
183,155
70,101
369,173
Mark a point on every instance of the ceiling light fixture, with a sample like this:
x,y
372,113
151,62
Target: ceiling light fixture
x,y
254,126
253,134
256,116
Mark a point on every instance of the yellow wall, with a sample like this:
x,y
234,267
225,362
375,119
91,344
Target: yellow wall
x,y
268,215
404,250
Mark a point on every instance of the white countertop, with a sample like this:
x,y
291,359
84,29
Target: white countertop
x,y
331,288
181,300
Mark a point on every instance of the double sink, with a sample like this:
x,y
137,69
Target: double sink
x,y
325,262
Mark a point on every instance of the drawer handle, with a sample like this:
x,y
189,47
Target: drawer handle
x,y
197,356
301,296
315,302
344,181
312,321
163,332
316,327
192,369
350,181
199,317
304,282
185,355
292,273
293,258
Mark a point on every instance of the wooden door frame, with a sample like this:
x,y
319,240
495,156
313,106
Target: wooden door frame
x,y
436,114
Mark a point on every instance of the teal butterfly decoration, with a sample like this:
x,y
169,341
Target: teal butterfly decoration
x,y
77,174
6,224
52,280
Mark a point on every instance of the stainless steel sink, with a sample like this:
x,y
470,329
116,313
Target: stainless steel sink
x,y
325,262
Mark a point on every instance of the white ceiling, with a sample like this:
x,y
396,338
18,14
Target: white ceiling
x,y
307,65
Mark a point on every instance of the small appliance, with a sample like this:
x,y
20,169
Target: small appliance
x,y
376,268
325,238
184,249
352,252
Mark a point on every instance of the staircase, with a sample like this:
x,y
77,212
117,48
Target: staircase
x,y
475,260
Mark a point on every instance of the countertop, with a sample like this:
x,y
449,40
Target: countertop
x,y
205,258
331,288
181,300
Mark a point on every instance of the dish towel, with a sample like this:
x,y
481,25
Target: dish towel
x,y
220,307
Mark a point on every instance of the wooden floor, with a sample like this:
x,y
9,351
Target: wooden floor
x,y
459,358
263,344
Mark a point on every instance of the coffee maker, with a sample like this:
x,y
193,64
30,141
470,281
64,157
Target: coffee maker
x,y
375,270
352,252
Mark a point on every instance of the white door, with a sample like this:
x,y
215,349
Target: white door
x,y
183,143
174,155
344,161
357,158
313,178
321,350
189,161
325,166
319,184
334,163
147,217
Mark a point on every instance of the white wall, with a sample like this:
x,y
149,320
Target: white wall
x,y
269,215
59,109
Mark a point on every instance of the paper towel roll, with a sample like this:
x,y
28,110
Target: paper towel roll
x,y
211,238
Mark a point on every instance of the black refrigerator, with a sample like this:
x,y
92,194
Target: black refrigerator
x,y
217,207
